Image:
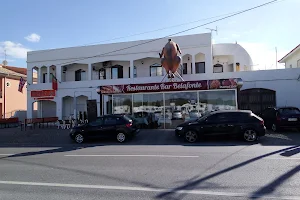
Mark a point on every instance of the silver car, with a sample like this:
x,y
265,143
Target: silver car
x,y
177,114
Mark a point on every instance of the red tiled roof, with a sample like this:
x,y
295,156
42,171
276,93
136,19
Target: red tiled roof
x,y
294,49
17,69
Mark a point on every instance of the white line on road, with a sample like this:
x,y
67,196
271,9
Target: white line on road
x,y
162,156
145,189
6,154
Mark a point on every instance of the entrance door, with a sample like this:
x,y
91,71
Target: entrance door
x,y
257,99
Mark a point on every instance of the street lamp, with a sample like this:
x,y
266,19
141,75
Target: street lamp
x,y
4,63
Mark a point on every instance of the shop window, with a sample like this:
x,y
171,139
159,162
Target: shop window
x,y
117,72
218,68
102,74
80,75
134,72
184,68
200,67
156,70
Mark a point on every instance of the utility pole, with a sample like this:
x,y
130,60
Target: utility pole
x,y
4,63
276,56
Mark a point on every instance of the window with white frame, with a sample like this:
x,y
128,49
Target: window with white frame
x,y
156,70
117,71
200,67
80,75
298,63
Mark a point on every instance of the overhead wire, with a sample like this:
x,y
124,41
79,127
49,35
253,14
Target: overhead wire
x,y
156,39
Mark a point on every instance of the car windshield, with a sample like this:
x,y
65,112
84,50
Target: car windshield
x,y
289,111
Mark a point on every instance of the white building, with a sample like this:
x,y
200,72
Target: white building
x,y
292,59
80,70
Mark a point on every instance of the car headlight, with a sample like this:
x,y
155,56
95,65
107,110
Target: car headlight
x,y
179,128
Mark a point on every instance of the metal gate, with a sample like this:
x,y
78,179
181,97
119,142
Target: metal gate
x,y
256,99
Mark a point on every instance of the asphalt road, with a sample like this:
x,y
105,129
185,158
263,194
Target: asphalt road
x,y
155,165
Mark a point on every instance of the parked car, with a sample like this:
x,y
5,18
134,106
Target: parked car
x,y
119,127
177,114
277,118
241,123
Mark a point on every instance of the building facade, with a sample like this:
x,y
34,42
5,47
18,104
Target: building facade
x,y
81,70
292,59
11,100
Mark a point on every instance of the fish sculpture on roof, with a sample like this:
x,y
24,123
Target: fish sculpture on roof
x,y
170,59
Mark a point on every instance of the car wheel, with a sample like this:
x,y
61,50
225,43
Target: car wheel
x,y
79,138
121,137
274,127
250,135
191,136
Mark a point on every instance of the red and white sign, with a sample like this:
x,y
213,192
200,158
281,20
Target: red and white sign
x,y
171,86
43,94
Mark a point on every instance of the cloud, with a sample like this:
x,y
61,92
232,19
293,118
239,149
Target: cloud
x,y
33,37
14,50
263,55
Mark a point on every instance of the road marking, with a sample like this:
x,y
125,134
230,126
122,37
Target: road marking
x,y
162,156
147,189
6,154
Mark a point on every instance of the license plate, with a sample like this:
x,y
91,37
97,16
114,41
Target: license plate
x,y
292,119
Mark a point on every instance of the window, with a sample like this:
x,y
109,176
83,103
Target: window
x,y
44,77
200,67
218,68
102,74
117,72
298,63
134,72
97,122
156,70
80,75
110,121
184,69
289,111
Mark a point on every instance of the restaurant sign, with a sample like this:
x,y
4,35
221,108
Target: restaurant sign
x,y
170,86
43,94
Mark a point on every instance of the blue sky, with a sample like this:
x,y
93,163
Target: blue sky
x,y
35,25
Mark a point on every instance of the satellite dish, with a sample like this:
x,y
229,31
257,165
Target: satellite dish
x,y
4,62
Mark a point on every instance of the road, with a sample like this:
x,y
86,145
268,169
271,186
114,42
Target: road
x,y
155,165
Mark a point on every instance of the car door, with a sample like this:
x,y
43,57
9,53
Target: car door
x,y
211,125
94,128
109,126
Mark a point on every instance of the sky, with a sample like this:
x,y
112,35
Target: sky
x,y
35,25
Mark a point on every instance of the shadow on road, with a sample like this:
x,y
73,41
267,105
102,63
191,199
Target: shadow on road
x,y
189,185
268,189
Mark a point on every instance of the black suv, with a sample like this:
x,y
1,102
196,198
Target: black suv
x,y
277,118
241,123
119,127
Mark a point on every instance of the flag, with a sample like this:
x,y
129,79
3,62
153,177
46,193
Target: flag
x,y
54,82
21,84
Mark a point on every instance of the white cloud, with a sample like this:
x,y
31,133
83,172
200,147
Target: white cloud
x,y
33,37
263,56
14,50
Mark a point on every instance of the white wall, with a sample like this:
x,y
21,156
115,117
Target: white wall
x,y
70,73
143,70
225,60
240,55
291,62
